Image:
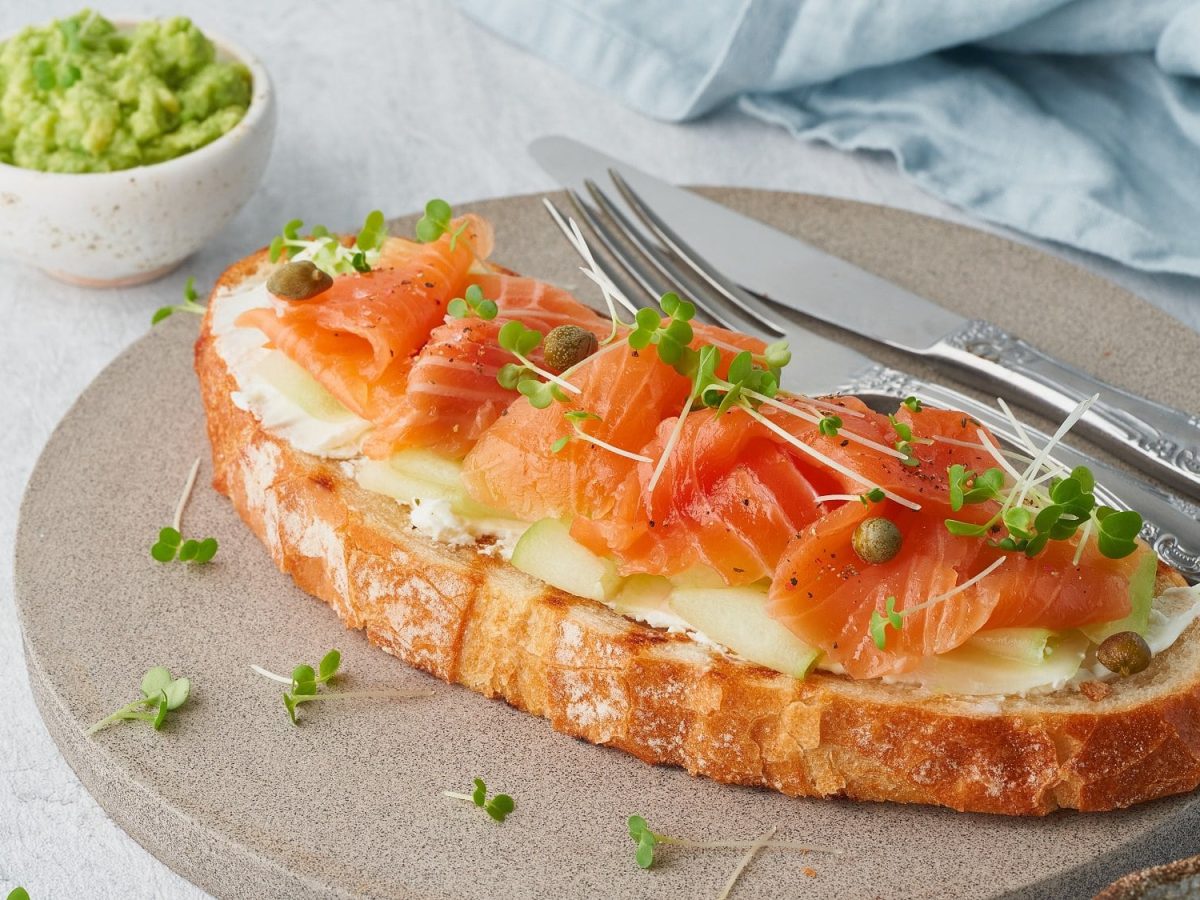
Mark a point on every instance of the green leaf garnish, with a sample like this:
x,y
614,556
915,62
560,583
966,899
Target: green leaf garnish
x,y
472,302
966,487
875,495
670,335
576,418
328,253
829,425
305,680
436,222
18,893
498,807
1034,517
161,694
190,304
171,545
1117,532
913,404
880,622
645,839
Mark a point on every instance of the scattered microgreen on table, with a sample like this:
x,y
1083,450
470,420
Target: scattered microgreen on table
x,y
328,253
161,694
498,807
18,893
190,304
171,544
305,681
648,841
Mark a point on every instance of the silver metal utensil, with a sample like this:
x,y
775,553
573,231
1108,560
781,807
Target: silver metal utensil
x,y
822,366
1156,438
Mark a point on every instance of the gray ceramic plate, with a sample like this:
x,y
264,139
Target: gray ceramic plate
x,y
235,798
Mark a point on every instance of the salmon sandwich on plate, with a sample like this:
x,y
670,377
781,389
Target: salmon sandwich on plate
x,y
628,525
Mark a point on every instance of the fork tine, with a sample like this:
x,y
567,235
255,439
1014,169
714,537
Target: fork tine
x,y
743,300
650,288
578,242
678,278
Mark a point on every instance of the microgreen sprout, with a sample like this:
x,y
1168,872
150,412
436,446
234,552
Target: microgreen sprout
x,y
171,544
161,694
1032,521
829,425
648,841
472,302
880,621
671,336
189,304
498,807
436,222
305,680
777,355
540,387
875,495
18,893
328,253
906,439
576,418
913,404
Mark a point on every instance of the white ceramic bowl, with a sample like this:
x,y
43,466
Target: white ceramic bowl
x,y
109,229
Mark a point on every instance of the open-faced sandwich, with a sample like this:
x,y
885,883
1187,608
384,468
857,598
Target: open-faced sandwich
x,y
631,529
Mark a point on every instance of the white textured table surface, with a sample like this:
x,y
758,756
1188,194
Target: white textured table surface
x,y
382,104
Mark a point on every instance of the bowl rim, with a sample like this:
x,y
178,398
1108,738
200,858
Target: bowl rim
x,y
261,100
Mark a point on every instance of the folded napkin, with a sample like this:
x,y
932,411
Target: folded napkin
x,y
1077,121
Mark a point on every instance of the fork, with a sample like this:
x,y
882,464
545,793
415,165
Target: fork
x,y
655,259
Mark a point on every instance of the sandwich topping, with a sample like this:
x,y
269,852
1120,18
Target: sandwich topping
x,y
659,466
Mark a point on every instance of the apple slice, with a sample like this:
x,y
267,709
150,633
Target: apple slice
x,y
547,551
737,618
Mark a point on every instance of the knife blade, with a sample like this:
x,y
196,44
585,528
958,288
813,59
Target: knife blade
x,y
788,271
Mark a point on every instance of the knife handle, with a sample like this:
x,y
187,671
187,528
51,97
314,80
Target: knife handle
x,y
1171,525
1160,440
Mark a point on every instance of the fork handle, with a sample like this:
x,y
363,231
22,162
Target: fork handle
x,y
1171,524
1162,441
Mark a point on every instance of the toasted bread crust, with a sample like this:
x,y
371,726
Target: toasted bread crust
x,y
474,620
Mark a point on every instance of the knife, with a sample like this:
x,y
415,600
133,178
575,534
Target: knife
x,y
1156,438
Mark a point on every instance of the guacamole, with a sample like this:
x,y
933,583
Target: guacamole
x,y
78,95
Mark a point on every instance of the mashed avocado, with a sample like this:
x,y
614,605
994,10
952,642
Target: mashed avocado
x,y
78,96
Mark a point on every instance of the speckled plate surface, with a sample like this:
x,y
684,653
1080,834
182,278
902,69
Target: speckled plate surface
x,y
235,798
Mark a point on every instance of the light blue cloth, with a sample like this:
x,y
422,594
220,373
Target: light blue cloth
x,y
1077,121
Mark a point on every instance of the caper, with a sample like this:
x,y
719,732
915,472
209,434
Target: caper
x,y
300,280
1125,653
877,540
568,345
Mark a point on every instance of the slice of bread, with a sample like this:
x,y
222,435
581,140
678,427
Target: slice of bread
x,y
475,620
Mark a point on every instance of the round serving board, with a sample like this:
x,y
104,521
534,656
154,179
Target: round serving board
x,y
244,804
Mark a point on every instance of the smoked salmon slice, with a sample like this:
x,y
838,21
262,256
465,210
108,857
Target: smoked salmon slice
x,y
513,467
451,395
826,594
731,495
358,338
